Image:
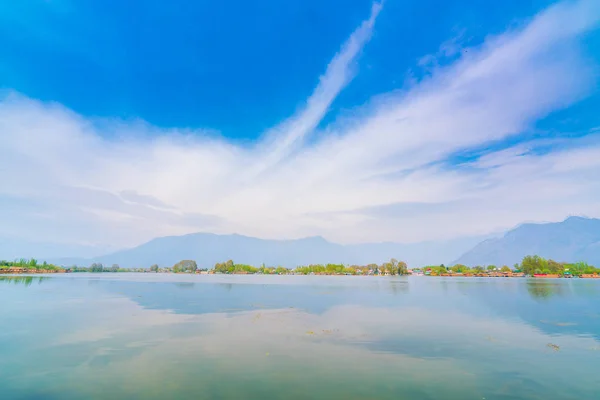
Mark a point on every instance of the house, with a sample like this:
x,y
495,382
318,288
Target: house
x,y
596,276
545,276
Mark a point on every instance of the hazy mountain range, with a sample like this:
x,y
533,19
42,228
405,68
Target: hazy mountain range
x,y
575,239
208,249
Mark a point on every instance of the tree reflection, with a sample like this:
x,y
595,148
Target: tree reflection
x,y
227,286
399,287
545,290
185,285
22,280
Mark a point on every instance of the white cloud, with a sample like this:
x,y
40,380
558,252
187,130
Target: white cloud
x,y
127,190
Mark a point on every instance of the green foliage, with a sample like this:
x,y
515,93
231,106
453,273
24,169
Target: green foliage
x,y
537,265
581,268
185,266
530,265
459,268
28,264
533,265
393,267
229,267
96,267
438,269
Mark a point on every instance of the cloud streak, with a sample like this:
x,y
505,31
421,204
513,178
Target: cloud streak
x,y
354,183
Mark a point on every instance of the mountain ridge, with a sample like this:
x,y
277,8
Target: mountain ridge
x,y
574,239
208,249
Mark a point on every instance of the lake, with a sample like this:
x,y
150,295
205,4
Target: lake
x,y
165,336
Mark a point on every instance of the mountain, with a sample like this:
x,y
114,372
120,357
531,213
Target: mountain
x,y
208,249
574,239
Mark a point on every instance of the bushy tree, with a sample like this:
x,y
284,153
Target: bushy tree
x,y
533,265
96,267
459,268
185,266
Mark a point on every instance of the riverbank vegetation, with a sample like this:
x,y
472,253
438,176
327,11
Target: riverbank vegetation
x,y
393,267
535,266
28,266
530,266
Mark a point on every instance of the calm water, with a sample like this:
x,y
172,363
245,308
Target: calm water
x,y
141,336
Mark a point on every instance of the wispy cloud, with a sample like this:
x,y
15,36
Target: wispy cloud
x,y
282,140
123,191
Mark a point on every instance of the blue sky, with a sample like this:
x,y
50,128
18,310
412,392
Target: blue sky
x,y
359,121
233,66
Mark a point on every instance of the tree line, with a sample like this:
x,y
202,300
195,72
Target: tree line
x,y
28,264
530,265
537,265
393,267
181,266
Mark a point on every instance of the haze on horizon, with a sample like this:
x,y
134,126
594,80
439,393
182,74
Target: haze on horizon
x,y
362,122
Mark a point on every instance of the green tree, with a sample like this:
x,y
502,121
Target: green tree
x,y
154,268
459,268
402,268
533,265
96,267
282,271
185,266
555,267
227,267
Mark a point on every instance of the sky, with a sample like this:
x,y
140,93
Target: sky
x,y
359,121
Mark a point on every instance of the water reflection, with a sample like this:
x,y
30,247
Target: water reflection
x,y
154,340
543,290
227,286
23,280
346,352
399,287
185,285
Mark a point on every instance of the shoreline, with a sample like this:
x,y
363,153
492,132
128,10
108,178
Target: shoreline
x,y
12,271
52,272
